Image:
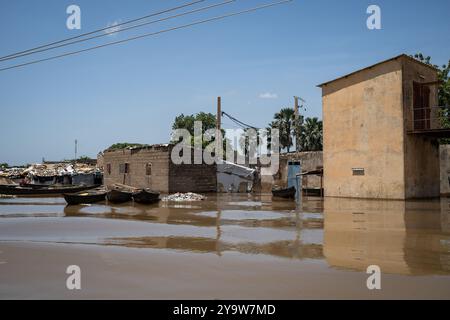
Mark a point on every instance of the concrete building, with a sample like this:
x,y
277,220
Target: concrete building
x,y
381,126
151,167
307,160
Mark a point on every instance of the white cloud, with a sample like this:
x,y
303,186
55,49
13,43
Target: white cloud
x,y
113,28
268,95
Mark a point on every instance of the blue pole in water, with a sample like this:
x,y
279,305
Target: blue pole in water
x,y
298,187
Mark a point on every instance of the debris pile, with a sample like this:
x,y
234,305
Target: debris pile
x,y
48,170
181,197
6,196
12,173
58,169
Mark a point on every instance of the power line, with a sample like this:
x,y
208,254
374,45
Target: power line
x,y
149,34
103,29
240,123
117,31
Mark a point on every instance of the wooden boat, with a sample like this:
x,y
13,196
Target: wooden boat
x,y
50,190
287,193
37,186
146,196
85,197
119,196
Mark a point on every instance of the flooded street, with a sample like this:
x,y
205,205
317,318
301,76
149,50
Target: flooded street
x,y
226,247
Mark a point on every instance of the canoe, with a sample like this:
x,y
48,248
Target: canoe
x,y
146,196
38,186
50,190
118,196
287,193
85,197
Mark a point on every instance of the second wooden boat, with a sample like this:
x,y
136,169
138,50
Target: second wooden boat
x,y
287,193
146,196
119,196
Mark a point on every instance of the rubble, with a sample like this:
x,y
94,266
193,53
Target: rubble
x,y
6,196
182,197
48,170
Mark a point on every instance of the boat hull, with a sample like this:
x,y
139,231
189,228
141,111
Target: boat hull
x,y
146,197
288,193
117,196
79,198
27,191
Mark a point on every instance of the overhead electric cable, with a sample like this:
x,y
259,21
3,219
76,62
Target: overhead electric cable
x,y
149,34
107,33
242,124
104,29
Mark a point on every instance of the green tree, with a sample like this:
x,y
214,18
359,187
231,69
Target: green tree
x,y
443,77
311,136
187,121
249,142
443,91
284,121
4,165
208,122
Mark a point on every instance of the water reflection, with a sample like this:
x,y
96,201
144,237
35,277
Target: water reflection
x,y
411,237
401,237
247,225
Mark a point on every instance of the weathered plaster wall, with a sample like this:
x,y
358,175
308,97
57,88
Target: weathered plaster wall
x,y
444,151
309,160
363,128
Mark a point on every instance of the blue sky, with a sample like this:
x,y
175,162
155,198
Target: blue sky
x,y
132,92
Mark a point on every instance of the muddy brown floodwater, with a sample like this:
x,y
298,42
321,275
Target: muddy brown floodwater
x,y
227,247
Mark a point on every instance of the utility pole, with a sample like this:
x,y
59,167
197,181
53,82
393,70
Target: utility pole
x,y
219,113
218,128
297,117
296,123
76,149
296,108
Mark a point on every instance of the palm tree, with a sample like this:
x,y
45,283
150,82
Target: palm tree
x,y
285,123
311,136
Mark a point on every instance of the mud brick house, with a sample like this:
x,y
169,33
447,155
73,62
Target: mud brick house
x,y
151,167
380,129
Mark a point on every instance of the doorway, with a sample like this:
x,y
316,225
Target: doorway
x,y
421,107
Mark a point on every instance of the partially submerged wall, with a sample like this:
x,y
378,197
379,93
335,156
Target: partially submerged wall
x,y
363,129
310,160
151,167
139,175
192,178
444,152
